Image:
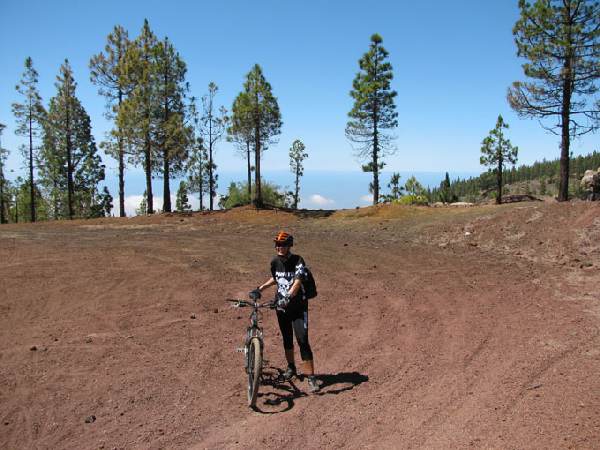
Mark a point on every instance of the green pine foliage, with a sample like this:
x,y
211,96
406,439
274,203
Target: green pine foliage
x,y
297,156
182,203
497,152
30,115
107,71
373,112
4,191
240,131
142,210
70,168
237,195
559,39
514,180
261,109
213,124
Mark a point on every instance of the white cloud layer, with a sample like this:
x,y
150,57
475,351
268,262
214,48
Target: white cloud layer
x,y
319,201
367,198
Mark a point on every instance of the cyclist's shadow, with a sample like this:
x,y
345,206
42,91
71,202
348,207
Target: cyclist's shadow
x,y
283,394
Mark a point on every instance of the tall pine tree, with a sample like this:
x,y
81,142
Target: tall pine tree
x,y
30,116
297,156
373,112
107,71
240,131
172,134
3,190
213,124
560,39
70,158
197,164
497,151
265,120
137,116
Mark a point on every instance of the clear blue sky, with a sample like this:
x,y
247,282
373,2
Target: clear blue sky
x,y
453,62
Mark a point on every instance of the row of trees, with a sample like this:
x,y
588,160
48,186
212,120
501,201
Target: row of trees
x,y
156,125
560,41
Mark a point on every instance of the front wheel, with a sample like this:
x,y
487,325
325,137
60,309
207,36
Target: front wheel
x,y
254,369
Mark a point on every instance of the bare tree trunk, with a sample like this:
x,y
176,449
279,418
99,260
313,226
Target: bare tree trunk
x,y
148,169
211,182
499,182
249,170
563,192
2,212
166,186
70,187
31,186
121,167
297,188
258,201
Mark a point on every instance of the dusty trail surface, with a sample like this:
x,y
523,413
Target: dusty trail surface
x,y
434,328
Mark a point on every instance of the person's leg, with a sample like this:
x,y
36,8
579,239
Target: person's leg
x,y
287,334
300,325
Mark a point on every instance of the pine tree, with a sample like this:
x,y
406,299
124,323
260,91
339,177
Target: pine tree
x,y
30,116
107,71
137,116
560,40
265,120
297,156
69,154
240,131
3,191
395,187
413,187
197,164
373,111
173,135
182,202
213,124
142,210
496,152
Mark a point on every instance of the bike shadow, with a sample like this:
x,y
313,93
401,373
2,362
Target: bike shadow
x,y
282,396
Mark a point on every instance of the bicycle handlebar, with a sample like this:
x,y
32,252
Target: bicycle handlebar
x,y
239,303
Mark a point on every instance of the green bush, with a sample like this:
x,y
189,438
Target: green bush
x,y
237,195
412,199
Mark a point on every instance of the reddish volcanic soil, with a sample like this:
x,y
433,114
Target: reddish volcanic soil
x,y
434,328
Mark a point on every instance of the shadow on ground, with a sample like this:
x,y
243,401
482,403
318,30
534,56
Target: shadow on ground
x,y
282,396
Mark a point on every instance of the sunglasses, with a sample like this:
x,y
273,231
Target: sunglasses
x,y
278,245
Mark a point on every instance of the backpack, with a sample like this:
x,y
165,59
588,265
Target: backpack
x,y
309,285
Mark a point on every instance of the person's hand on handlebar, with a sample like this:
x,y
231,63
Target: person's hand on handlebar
x,y
255,294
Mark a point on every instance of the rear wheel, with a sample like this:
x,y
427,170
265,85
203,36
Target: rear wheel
x,y
254,370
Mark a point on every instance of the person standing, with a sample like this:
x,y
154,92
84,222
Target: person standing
x,y
288,271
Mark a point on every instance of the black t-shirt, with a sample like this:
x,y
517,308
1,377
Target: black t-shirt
x,y
285,272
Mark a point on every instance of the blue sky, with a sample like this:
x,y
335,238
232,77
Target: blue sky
x,y
453,62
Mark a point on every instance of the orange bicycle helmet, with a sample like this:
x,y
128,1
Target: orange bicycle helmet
x,y
284,239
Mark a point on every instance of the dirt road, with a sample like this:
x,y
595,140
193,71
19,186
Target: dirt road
x,y
433,328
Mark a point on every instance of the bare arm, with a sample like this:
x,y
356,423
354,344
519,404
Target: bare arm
x,y
270,282
295,287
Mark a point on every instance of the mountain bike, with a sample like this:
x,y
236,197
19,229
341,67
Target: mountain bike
x,y
253,346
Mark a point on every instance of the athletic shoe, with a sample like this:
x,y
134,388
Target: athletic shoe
x,y
289,373
312,384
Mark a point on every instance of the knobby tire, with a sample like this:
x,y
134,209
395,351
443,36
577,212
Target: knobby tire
x,y
254,370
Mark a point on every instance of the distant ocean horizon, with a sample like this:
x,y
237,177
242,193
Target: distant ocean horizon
x,y
319,189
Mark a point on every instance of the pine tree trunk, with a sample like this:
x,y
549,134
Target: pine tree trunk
x,y
211,186
121,167
499,182
249,170
258,202
148,169
166,186
70,188
2,214
31,186
297,189
563,193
